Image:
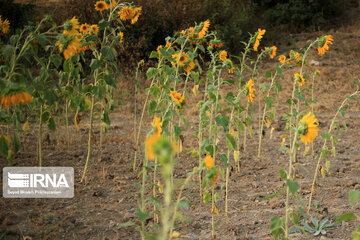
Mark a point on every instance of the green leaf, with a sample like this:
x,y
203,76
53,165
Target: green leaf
x,y
16,139
51,123
276,226
355,235
8,51
345,217
283,174
327,165
105,118
126,224
280,71
103,24
40,38
151,72
268,74
142,215
354,196
95,64
152,107
4,146
177,131
56,60
324,152
325,135
206,197
342,112
110,80
222,120
268,101
294,218
155,90
224,160
230,142
154,54
293,186
108,54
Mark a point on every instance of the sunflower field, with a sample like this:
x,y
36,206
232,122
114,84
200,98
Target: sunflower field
x,y
194,142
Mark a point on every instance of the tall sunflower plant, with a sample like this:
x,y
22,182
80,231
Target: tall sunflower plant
x,y
24,92
303,128
100,40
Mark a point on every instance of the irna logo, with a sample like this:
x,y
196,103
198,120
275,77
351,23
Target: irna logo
x,y
37,180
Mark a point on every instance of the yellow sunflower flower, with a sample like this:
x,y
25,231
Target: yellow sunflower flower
x,y
204,29
137,13
158,49
112,5
282,58
121,35
177,97
84,28
223,55
180,58
251,90
101,6
5,26
259,36
157,125
190,66
71,27
126,13
273,52
323,44
209,161
94,29
150,142
299,79
308,128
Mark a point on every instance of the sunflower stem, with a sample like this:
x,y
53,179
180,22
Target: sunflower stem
x,y
323,147
89,139
40,138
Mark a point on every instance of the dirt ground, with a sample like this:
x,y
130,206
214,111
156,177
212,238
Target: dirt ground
x,y
110,195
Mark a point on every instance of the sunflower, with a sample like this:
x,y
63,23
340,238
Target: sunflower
x,y
71,48
112,5
137,13
223,55
323,44
308,128
209,161
157,126
251,90
180,58
94,29
71,27
259,36
150,142
168,44
214,179
15,99
158,48
299,79
273,52
5,26
204,29
282,58
121,35
84,28
190,66
101,6
177,97
126,13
